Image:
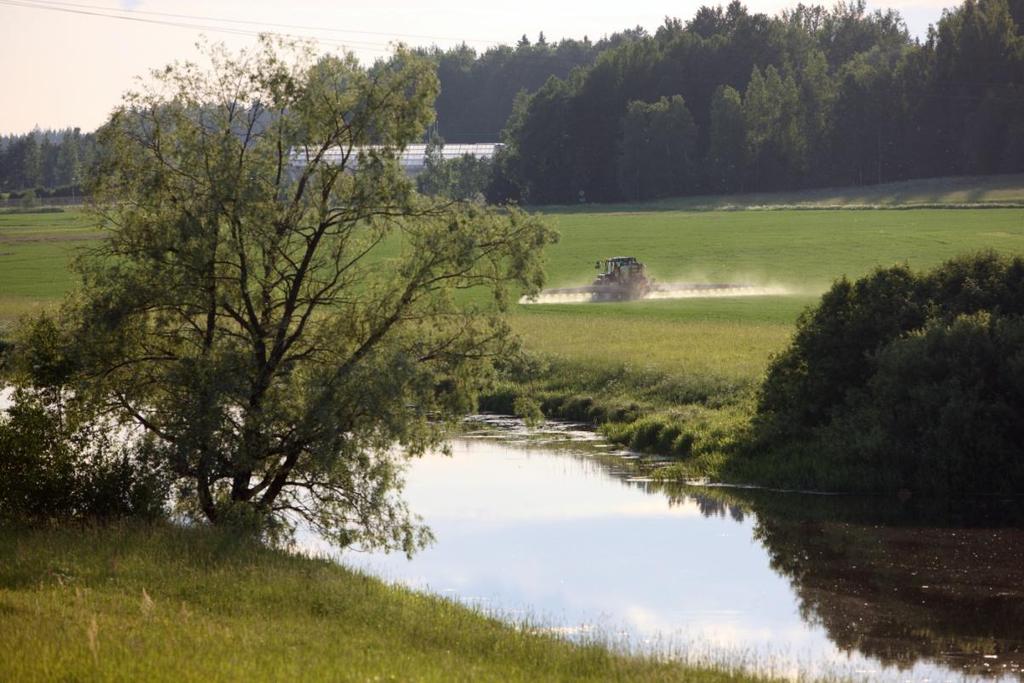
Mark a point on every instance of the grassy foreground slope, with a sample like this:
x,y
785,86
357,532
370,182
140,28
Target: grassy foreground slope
x,y
161,603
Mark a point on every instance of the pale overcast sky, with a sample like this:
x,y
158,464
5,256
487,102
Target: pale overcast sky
x,y
69,68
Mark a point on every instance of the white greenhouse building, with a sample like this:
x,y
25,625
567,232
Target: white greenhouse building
x,y
413,158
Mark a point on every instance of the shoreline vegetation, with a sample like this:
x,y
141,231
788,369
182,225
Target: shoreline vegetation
x,y
126,601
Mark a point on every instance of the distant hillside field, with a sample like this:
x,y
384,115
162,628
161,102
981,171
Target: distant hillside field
x,y
930,192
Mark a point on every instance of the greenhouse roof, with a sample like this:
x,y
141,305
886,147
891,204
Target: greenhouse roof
x,y
412,158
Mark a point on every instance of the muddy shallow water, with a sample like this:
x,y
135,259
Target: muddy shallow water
x,y
555,528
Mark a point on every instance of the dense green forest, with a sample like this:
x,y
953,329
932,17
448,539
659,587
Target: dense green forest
x,y
728,101
733,101
45,159
478,89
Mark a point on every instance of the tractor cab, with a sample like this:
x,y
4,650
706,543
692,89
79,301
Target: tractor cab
x,y
620,278
619,269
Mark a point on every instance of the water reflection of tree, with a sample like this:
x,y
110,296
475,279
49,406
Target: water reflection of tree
x,y
709,504
898,582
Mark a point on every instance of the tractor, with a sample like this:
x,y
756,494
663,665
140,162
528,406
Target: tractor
x,y
621,278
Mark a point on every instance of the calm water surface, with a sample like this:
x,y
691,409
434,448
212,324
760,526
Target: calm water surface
x,y
550,527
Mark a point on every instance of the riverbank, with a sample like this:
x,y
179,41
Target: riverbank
x,y
698,419
163,603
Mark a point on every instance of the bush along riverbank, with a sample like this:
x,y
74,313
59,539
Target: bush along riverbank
x,y
157,602
901,381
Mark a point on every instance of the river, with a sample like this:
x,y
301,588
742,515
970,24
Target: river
x,y
554,528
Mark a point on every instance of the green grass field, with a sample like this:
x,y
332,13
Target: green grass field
x,y
140,603
803,250
35,251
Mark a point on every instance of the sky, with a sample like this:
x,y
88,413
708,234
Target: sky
x,y
70,67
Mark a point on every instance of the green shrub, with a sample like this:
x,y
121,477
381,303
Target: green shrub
x,y
50,470
902,381
671,435
832,344
645,434
29,200
943,410
683,443
36,466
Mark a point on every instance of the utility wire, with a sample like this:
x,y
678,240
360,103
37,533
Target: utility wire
x,y
374,47
118,13
33,4
270,24
190,21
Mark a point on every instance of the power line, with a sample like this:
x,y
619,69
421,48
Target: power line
x,y
117,13
27,4
194,22
271,24
35,4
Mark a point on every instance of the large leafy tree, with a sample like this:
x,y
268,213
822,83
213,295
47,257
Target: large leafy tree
x,y
727,147
540,158
657,156
478,90
773,132
870,122
276,311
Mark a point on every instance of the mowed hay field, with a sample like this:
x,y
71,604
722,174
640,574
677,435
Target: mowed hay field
x,y
731,338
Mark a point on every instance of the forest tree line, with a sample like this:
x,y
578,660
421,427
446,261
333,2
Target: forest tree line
x,y
478,89
735,102
48,161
